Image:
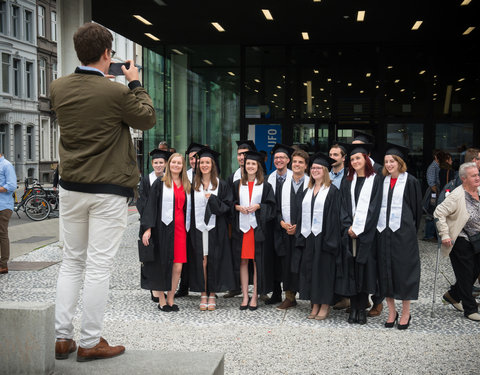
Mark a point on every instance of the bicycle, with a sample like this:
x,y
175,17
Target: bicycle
x,y
33,202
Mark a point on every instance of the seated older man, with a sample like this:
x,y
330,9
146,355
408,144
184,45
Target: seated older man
x,y
459,227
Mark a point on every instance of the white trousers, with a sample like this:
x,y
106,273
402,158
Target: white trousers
x,y
93,226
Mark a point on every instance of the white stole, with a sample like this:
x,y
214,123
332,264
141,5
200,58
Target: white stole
x,y
396,205
360,212
168,206
286,190
249,220
237,175
200,207
190,175
152,177
313,224
272,179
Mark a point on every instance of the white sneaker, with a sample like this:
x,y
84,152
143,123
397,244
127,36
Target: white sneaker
x,y
475,317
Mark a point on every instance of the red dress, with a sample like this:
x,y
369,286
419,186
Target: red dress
x,y
248,243
180,233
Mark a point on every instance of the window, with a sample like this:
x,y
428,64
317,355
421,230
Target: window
x,y
3,17
29,79
53,20
28,25
5,72
41,21
16,77
30,143
15,21
54,142
54,71
44,139
3,139
43,76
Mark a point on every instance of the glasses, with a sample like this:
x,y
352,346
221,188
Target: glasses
x,y
279,158
112,53
316,168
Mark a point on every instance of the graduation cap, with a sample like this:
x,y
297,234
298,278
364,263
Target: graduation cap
x,y
322,159
194,147
282,148
400,151
352,149
163,154
257,156
363,137
246,144
209,153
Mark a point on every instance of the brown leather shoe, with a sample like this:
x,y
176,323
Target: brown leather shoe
x,y
286,304
100,351
63,348
3,270
376,310
344,303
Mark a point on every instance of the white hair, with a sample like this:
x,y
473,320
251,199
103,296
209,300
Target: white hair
x,y
462,172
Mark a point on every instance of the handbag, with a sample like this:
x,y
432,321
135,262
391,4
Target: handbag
x,y
475,241
146,253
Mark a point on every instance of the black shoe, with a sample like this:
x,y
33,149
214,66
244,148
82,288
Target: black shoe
x,y
252,308
353,316
362,316
405,326
174,308
181,293
154,299
273,300
391,324
244,307
164,308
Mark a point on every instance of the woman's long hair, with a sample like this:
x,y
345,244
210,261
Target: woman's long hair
x,y
167,178
259,175
198,175
368,168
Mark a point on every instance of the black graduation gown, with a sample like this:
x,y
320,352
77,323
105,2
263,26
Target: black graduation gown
x,y
359,274
143,193
265,214
398,254
157,275
314,258
285,243
219,261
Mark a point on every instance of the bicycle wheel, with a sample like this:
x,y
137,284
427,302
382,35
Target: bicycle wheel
x,y
37,208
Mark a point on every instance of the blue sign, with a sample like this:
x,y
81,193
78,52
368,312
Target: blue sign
x,y
265,137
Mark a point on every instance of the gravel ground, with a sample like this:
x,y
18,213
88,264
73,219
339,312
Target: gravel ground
x,y
269,341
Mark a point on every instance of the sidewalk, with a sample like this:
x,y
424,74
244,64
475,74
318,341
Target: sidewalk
x,y
268,341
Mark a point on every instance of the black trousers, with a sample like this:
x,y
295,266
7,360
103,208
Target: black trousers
x,y
466,266
359,301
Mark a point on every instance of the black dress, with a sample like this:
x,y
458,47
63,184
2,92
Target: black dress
x,y
398,254
265,214
358,274
157,275
220,275
315,257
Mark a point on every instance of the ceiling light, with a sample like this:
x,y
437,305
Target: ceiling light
x,y
402,90
349,84
208,62
151,36
417,25
321,89
329,80
177,51
469,30
279,87
421,72
368,75
304,83
257,80
360,15
473,98
141,19
218,26
458,89
267,14
316,1
465,2
461,79
397,80
361,91
316,71
390,67
255,90
305,36
231,73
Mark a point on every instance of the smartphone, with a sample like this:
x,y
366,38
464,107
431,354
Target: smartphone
x,y
116,68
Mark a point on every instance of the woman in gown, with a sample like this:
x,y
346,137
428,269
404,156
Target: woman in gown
x,y
254,206
397,244
166,218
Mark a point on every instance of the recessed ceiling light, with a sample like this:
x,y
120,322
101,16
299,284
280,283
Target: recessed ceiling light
x,y
465,2
361,91
305,36
317,1
267,14
279,87
141,19
390,67
397,80
361,16
461,79
207,62
458,89
417,25
368,75
218,27
255,90
473,98
177,51
329,80
402,90
469,30
421,72
349,84
275,95
257,80
316,71
231,73
151,36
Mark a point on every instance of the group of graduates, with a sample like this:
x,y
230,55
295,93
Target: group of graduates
x,y
325,229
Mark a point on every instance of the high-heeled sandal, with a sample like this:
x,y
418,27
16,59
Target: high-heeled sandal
x,y
212,306
203,305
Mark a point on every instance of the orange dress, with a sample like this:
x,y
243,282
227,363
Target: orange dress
x,y
248,243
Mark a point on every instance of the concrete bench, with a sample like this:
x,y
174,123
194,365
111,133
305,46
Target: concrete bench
x,y
27,338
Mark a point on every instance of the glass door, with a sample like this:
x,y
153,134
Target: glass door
x,y
311,137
